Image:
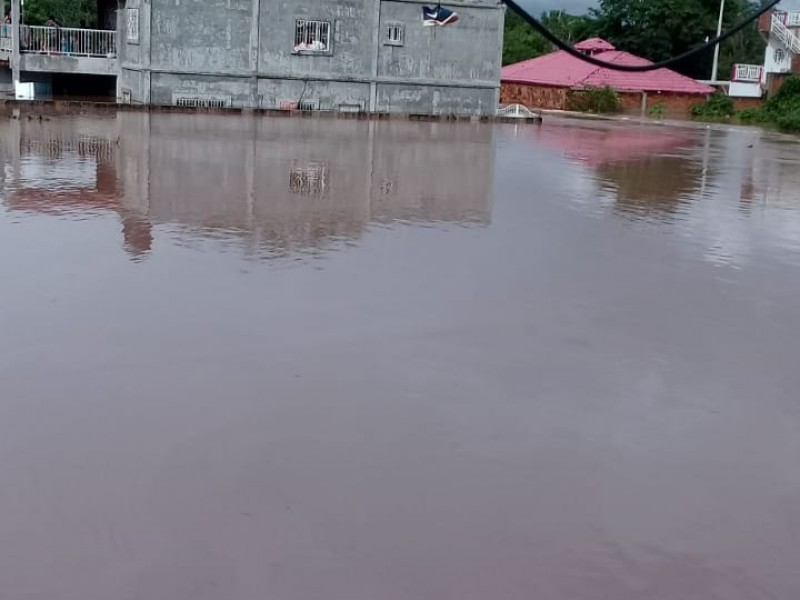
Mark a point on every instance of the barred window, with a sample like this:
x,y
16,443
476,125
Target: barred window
x,y
312,36
395,34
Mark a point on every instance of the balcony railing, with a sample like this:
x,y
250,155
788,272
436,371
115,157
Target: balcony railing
x,y
747,73
65,41
784,34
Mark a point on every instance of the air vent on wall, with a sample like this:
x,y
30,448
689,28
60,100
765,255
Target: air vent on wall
x,y
188,102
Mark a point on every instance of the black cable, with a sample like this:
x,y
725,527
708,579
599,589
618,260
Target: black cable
x,y
559,43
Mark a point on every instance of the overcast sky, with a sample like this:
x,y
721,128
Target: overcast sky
x,y
573,6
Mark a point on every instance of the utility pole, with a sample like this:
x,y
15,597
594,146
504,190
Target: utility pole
x,y
715,66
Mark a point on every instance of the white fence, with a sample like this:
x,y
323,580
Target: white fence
x,y
517,111
68,41
747,73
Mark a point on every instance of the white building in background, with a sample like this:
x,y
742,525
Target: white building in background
x,y
781,28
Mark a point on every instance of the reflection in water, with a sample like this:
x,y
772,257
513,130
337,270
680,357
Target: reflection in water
x,y
704,183
278,185
652,185
578,398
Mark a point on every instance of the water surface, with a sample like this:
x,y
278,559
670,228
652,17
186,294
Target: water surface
x,y
318,360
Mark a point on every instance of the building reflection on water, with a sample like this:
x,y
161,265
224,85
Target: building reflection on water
x,y
651,170
277,186
282,187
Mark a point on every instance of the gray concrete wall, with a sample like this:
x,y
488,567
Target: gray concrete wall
x,y
83,65
242,52
468,51
353,22
203,36
166,88
329,95
435,100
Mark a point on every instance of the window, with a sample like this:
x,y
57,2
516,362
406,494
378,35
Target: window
x,y
395,34
779,55
312,36
133,25
793,19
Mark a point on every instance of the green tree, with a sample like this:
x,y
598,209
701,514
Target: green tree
x,y
745,47
661,29
521,42
69,13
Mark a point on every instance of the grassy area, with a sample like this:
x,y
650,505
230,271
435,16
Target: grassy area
x,y
782,110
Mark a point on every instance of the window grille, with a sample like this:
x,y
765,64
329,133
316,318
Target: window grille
x,y
312,36
395,34
185,102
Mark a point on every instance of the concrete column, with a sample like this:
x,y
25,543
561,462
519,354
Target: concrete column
x,y
145,44
376,48
255,49
644,104
15,23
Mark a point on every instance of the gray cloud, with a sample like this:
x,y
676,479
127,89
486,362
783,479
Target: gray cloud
x,y
573,6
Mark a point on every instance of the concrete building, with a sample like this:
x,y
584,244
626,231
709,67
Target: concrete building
x,y
341,55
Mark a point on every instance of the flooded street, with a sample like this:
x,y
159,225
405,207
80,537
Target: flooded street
x,y
316,359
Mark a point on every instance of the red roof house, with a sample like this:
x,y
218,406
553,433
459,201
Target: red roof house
x,y
543,82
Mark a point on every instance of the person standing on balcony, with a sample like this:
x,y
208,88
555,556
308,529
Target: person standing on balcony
x,y
54,35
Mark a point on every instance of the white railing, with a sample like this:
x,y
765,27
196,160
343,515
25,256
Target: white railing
x,y
792,19
747,73
786,37
67,41
516,110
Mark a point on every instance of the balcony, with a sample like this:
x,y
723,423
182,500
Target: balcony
x,y
68,50
747,73
746,81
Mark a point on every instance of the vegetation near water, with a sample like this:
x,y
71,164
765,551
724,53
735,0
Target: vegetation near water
x,y
601,100
782,110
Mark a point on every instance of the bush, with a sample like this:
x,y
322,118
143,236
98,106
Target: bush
x,y
596,100
751,115
718,106
783,108
789,121
657,110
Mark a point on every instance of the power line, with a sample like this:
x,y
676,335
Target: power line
x,y
561,44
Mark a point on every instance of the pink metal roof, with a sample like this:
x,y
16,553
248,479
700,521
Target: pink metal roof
x,y
594,45
559,69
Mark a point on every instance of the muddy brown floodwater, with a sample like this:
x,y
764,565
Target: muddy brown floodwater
x,y
293,359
